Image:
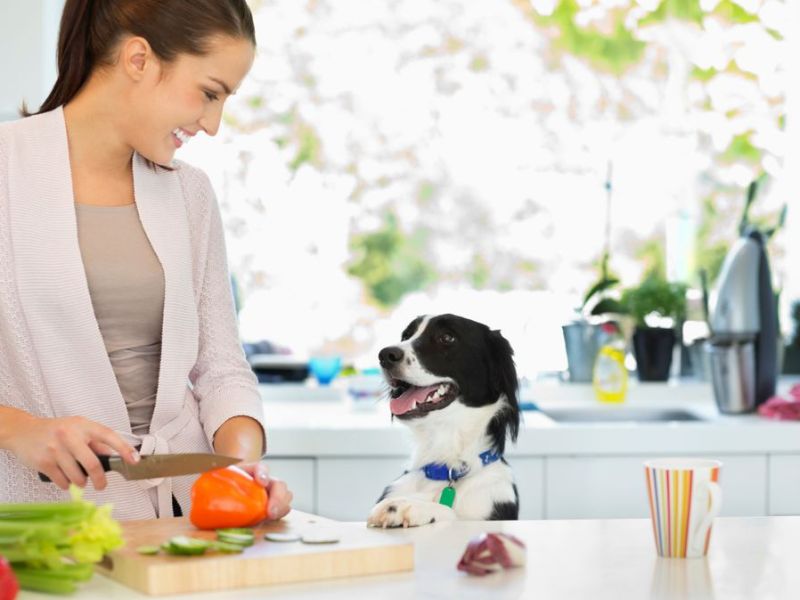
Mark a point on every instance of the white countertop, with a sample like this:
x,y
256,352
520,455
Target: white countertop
x,y
749,558
307,421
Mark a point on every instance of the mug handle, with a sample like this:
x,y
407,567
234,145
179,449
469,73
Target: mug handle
x,y
698,539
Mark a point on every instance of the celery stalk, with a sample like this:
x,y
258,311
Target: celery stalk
x,y
53,546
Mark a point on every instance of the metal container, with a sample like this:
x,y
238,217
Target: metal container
x,y
732,369
582,340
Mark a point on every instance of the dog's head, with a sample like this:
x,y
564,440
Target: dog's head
x,y
446,359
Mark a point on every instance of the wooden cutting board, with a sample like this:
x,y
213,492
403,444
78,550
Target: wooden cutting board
x,y
360,551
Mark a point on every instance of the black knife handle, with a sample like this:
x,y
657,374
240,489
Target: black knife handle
x,y
104,461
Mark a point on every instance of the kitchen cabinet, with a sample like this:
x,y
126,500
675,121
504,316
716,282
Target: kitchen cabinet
x,y
784,484
580,487
300,475
348,488
529,477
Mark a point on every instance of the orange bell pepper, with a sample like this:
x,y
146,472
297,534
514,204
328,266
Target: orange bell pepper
x,y
227,498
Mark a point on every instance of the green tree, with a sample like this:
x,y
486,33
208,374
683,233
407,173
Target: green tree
x,y
390,263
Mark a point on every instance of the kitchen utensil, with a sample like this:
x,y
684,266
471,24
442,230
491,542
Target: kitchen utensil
x,y
745,312
732,366
155,466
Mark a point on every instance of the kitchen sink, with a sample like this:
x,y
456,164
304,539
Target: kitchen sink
x,y
620,415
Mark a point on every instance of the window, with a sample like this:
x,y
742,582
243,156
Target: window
x,y
418,157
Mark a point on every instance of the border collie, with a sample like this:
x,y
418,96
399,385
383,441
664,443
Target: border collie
x,y
454,384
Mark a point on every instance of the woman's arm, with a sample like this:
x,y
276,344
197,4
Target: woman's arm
x,y
241,437
63,448
11,421
223,382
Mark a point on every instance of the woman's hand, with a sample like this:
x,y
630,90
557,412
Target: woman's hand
x,y
280,498
58,448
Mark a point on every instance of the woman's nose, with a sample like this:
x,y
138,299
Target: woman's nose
x,y
210,122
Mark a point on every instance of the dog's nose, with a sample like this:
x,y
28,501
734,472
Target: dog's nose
x,y
390,356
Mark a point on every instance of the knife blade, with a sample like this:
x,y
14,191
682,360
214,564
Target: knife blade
x,y
155,466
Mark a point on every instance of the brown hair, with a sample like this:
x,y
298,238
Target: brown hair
x,y
90,29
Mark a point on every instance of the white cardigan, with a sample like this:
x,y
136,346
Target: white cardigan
x,y
52,359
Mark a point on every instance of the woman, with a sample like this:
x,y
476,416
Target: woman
x,y
117,329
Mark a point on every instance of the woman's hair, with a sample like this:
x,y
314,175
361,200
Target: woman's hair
x,y
90,30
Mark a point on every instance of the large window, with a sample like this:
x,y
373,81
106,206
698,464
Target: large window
x,y
392,158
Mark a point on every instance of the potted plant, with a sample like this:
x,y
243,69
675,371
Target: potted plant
x,y
649,305
584,336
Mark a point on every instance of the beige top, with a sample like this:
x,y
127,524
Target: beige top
x,y
126,284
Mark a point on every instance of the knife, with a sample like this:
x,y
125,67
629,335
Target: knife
x,y
155,466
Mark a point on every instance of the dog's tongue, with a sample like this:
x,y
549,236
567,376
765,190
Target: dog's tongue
x,y
408,399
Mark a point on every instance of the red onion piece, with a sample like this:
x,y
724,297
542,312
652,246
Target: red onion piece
x,y
490,552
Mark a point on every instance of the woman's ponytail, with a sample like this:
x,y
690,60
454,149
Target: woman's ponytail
x,y
74,55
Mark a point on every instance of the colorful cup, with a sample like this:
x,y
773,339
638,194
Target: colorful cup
x,y
685,496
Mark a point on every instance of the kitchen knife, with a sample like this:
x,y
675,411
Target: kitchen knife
x,y
155,466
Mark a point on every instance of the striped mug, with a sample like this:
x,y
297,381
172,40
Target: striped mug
x,y
685,496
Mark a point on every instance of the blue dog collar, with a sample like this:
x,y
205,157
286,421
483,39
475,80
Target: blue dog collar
x,y
443,472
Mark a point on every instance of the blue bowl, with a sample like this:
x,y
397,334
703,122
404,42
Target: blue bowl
x,y
325,368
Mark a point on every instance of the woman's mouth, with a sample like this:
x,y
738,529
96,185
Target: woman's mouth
x,y
180,137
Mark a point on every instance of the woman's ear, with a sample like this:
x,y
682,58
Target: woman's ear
x,y
136,56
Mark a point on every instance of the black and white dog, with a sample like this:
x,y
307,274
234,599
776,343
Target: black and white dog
x,y
453,382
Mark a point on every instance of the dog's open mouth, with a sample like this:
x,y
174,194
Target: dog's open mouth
x,y
414,401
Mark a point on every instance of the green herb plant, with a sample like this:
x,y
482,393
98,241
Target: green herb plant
x,y
655,295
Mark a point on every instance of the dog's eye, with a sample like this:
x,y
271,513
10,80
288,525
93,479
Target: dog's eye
x,y
446,338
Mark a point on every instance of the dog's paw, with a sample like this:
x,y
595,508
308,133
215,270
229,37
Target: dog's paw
x,y
402,512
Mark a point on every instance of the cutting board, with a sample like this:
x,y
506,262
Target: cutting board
x,y
359,551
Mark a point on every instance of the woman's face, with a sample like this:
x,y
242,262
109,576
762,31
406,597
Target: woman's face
x,y
176,101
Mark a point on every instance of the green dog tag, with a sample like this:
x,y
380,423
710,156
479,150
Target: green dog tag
x,y
448,496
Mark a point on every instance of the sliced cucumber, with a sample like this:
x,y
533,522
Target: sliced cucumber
x,y
182,545
227,548
147,550
239,536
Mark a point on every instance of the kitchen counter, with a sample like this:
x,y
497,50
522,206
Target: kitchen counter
x,y
307,421
599,559
322,440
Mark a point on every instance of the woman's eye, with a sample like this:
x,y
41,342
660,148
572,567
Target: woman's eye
x,y
446,338
210,95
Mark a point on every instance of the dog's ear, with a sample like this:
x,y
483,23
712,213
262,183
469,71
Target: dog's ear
x,y
504,381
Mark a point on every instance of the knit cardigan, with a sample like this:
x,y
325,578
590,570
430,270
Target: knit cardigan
x,y
53,362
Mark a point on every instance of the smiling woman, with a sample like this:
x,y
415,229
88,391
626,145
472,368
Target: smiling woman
x,y
120,334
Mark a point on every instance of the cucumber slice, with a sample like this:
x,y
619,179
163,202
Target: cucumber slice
x,y
240,536
236,530
227,548
147,550
182,545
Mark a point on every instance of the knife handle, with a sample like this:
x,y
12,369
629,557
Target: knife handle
x,y
105,461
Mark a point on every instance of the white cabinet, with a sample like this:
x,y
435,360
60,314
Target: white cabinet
x,y
348,488
580,487
561,487
529,477
299,474
784,484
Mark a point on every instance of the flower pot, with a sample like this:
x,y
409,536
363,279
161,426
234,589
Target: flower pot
x,y
652,347
582,340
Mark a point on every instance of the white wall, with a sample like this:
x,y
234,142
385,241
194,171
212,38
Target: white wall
x,y
28,36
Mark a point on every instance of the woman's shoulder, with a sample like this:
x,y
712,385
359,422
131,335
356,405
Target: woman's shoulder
x,y
24,126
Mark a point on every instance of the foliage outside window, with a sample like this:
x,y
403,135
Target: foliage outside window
x,y
410,157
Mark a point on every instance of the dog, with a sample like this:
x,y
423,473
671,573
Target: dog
x,y
454,384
